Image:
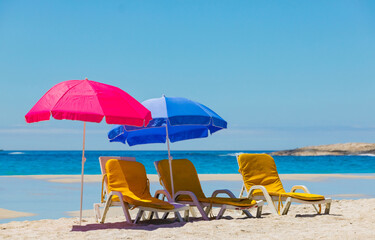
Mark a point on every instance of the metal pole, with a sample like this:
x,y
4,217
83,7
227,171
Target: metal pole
x,y
170,160
83,167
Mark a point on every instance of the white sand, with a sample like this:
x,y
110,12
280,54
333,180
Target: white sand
x,y
202,177
349,219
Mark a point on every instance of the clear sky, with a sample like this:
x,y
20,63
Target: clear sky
x,y
284,74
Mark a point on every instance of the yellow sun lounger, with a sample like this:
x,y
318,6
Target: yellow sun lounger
x,y
262,182
188,190
125,184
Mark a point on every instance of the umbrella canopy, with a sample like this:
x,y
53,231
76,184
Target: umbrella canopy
x,y
155,134
88,101
186,119
174,119
182,111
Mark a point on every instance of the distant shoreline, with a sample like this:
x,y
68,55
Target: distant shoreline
x,y
339,149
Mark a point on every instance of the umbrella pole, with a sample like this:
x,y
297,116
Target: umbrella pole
x,y
170,162
83,167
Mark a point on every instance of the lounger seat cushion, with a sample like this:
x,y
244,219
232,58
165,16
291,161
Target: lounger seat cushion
x,y
304,196
130,179
301,196
238,202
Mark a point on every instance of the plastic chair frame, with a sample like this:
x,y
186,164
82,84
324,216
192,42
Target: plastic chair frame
x,y
272,200
107,202
205,208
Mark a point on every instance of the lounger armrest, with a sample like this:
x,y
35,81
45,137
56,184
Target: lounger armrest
x,y
225,191
117,193
163,193
190,194
258,187
266,195
301,187
195,202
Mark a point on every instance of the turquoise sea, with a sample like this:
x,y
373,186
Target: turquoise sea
x,y
69,162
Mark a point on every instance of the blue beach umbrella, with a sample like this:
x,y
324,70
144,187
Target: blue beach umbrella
x,y
173,119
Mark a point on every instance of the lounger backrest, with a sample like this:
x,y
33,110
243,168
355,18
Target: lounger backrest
x,y
128,177
259,169
185,177
103,160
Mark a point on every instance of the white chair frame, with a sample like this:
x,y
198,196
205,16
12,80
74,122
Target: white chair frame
x,y
205,208
272,201
107,201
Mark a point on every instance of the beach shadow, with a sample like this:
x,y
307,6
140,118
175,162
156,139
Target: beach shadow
x,y
266,214
316,215
237,218
148,225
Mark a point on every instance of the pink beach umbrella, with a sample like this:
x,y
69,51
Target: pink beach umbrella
x,y
89,101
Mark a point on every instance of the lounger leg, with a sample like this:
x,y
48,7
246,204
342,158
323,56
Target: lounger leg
x,y
165,215
150,215
178,216
207,210
106,207
272,206
195,202
247,213
186,215
316,209
275,203
259,211
193,212
328,208
97,212
267,197
139,215
125,209
286,207
143,217
221,212
203,213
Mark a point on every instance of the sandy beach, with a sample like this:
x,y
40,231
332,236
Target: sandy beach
x,y
351,216
349,219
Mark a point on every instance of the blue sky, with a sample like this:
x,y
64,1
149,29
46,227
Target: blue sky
x,y
284,74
